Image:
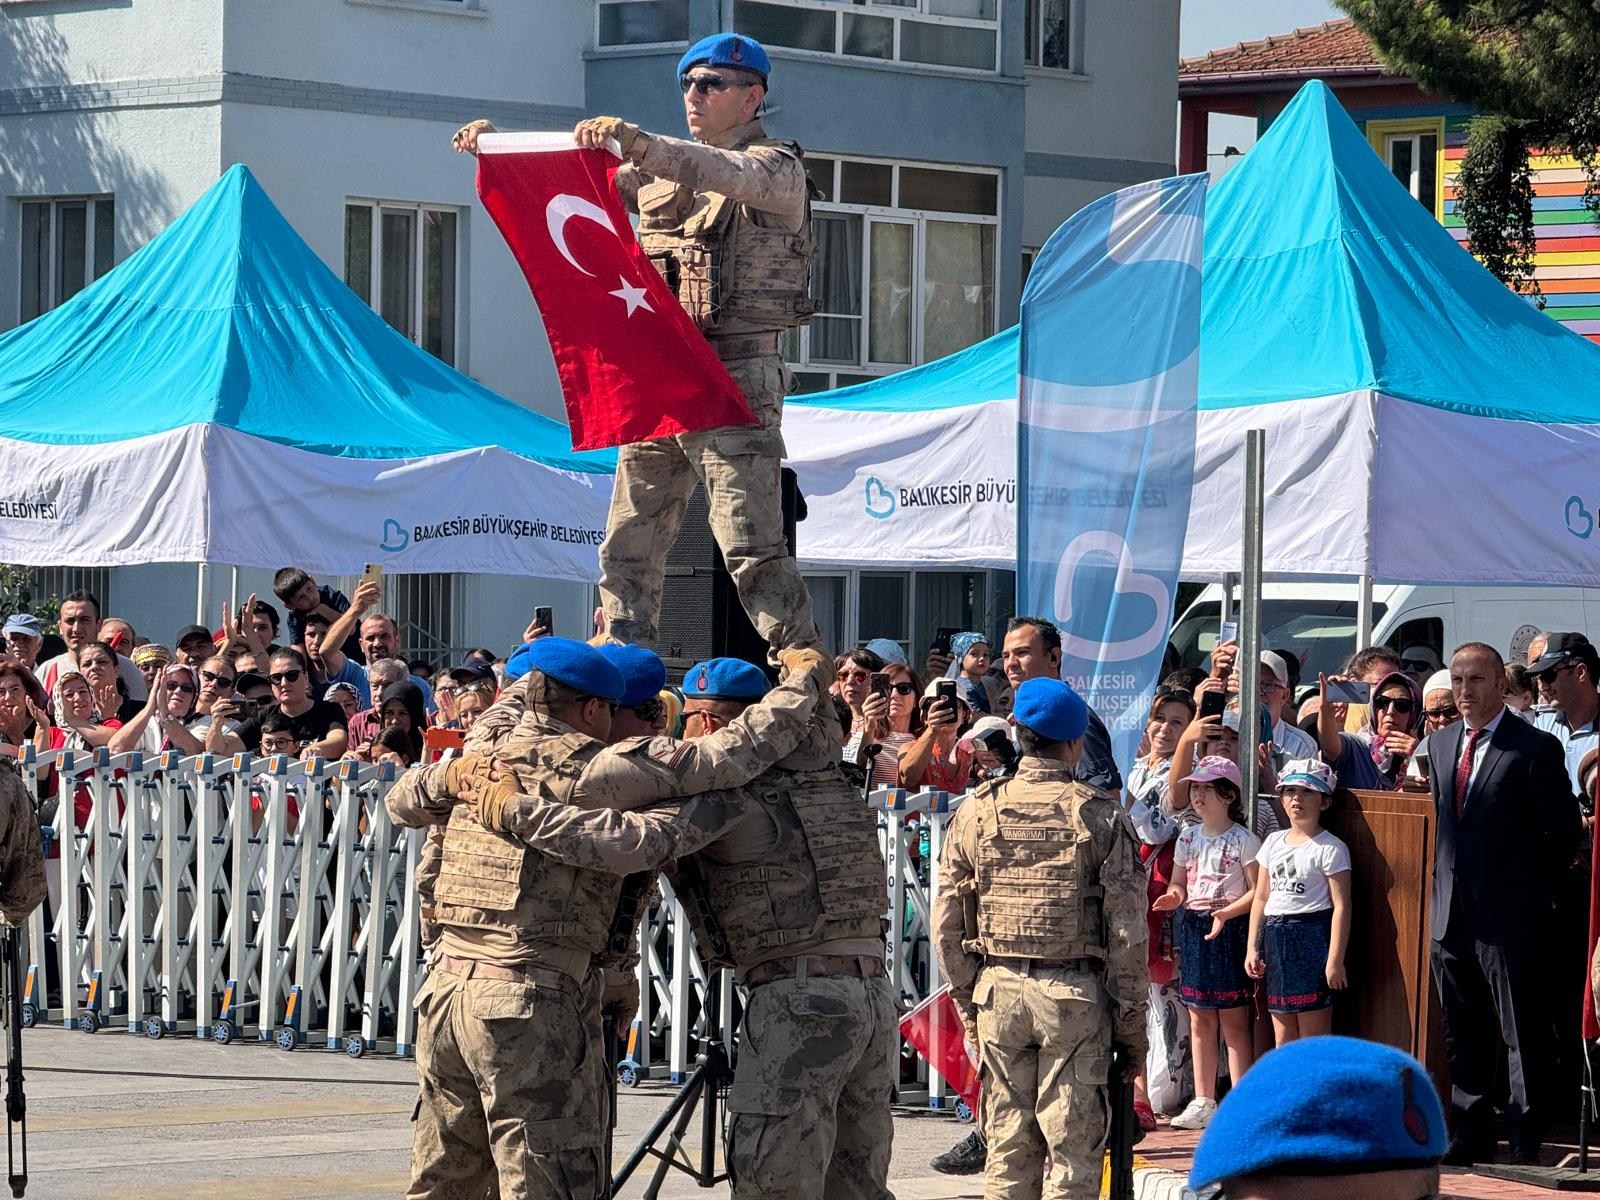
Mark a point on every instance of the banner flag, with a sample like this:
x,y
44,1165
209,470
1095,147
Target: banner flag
x,y
633,366
1108,388
934,1030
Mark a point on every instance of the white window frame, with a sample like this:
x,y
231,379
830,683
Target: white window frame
x,y
918,219
854,634
418,210
603,4
91,203
898,14
1074,31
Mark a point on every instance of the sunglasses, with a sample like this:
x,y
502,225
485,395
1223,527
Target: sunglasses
x,y
706,84
1416,664
1448,713
278,677
181,687
1401,704
852,676
903,688
222,681
649,710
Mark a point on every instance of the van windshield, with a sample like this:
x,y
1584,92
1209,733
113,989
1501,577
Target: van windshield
x,y
1321,632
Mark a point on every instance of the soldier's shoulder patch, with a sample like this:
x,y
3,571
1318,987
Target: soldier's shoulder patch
x,y
669,752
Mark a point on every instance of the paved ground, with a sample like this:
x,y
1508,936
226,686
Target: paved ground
x,y
113,1116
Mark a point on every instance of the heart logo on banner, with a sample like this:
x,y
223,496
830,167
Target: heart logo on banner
x,y
880,500
1128,582
395,537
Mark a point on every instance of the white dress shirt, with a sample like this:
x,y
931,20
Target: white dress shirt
x,y
1480,748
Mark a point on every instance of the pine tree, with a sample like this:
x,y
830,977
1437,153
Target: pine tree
x,y
1532,70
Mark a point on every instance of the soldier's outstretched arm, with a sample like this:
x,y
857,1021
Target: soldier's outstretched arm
x,y
424,795
642,771
1127,934
950,913
763,177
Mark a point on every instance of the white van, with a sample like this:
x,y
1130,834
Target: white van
x,y
1317,621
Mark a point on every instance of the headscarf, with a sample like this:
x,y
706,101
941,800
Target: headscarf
x,y
410,695
1390,764
960,646
194,680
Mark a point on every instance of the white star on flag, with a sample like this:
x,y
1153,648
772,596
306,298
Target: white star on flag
x,y
633,297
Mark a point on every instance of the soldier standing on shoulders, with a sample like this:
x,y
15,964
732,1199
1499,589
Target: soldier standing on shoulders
x,y
508,1045
726,218
785,883
1040,929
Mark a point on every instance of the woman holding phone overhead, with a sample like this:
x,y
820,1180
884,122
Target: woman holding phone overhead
x,y
1376,756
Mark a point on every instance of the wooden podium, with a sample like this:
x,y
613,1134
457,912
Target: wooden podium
x,y
1391,997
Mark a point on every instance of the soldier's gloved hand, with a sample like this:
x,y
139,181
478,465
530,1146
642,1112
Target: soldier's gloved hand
x,y
490,802
594,132
804,659
459,769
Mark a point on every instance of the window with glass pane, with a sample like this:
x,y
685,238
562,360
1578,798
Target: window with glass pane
x,y
1402,154
892,305
950,191
949,600
883,606
947,45
1414,160
958,287
869,37
821,171
972,10
1427,170
439,284
778,25
72,259
643,22
358,250
827,607
397,276
35,259
105,229
836,282
66,245
866,183
1049,32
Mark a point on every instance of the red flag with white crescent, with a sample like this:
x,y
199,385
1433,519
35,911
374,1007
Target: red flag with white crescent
x,y
633,366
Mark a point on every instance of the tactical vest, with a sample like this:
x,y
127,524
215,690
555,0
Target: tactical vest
x,y
730,274
494,881
824,881
1037,878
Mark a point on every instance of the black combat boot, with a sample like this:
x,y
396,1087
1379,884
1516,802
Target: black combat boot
x,y
966,1157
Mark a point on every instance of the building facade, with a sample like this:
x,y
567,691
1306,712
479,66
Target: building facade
x,y
1420,137
949,138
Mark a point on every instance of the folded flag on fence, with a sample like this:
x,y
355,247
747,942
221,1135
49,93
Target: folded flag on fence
x,y
933,1028
633,366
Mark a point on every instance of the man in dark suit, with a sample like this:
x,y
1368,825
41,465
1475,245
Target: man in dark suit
x,y
1507,825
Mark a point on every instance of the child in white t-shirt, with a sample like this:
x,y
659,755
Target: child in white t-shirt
x,y
1214,876
1300,915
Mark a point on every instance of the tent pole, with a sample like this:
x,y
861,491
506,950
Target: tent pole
x,y
233,588
1225,609
1363,611
1248,664
199,593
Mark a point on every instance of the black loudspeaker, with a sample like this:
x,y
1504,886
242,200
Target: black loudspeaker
x,y
701,616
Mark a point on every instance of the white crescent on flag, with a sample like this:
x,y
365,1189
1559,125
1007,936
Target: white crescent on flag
x,y
562,209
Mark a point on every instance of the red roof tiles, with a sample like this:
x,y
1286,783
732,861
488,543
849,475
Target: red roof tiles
x,y
1333,45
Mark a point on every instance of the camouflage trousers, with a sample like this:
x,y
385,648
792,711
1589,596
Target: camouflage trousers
x,y
739,468
1044,1049
809,1107
509,1074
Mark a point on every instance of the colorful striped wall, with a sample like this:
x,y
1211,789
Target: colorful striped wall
x,y
1567,262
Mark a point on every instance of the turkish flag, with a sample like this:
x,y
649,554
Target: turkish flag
x,y
934,1030
633,366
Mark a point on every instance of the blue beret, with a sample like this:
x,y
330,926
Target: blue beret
x,y
1051,709
727,50
643,672
1322,1106
576,664
725,679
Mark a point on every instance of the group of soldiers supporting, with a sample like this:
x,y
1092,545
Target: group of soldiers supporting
x,y
545,836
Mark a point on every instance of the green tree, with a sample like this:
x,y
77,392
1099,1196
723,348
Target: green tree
x,y
17,594
1532,70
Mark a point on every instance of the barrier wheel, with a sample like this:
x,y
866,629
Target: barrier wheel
x,y
88,1023
223,1033
628,1075
963,1112
30,1016
286,1039
154,1029
355,1047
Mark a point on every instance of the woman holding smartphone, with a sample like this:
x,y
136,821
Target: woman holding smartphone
x,y
1377,755
891,719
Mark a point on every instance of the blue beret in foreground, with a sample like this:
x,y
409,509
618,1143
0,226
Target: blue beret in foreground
x,y
725,679
1051,709
643,672
576,664
1325,1105
727,50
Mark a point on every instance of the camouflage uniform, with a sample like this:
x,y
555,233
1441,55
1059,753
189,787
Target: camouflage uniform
x,y
1040,929
509,1026
790,871
22,885
753,194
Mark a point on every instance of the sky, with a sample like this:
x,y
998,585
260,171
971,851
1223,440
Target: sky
x,y
1215,24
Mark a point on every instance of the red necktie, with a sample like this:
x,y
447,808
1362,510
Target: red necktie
x,y
1464,769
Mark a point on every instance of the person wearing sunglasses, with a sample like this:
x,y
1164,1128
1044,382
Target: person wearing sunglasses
x,y
320,728
1378,755
891,722
726,219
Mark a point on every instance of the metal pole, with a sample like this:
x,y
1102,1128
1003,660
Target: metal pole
x,y
1363,612
199,593
233,589
1249,662
1225,609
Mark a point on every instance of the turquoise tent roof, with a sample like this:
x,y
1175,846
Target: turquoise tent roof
x,y
1324,276
228,318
